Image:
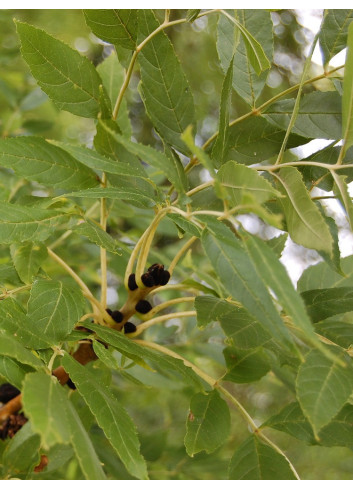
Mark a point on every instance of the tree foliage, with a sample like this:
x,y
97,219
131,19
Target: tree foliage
x,y
140,312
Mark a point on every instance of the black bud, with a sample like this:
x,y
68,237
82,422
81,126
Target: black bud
x,y
147,280
117,316
129,328
132,282
156,270
143,307
165,276
8,392
109,311
71,384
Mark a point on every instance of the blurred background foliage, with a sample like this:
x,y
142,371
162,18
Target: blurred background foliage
x,y
160,408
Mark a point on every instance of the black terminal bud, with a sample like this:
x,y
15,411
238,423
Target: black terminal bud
x,y
165,276
109,311
129,328
117,316
143,307
8,392
147,280
132,282
71,384
156,270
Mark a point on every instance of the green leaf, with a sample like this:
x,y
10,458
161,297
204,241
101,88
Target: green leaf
x,y
9,346
323,386
13,371
245,366
208,423
321,276
97,235
164,88
237,273
27,258
239,179
84,450
35,159
275,276
291,420
334,31
339,332
239,326
347,98
220,147
340,431
167,164
254,460
96,161
341,190
21,223
52,415
130,349
324,303
22,453
319,115
305,224
69,79
116,26
255,140
54,308
15,322
113,75
251,56
185,224
191,14
110,415
136,197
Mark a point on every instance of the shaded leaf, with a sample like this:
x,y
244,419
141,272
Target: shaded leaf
x,y
97,235
305,224
113,75
291,420
164,88
27,258
132,350
15,322
324,303
22,453
340,431
319,115
341,189
254,460
13,371
250,38
323,386
10,347
333,32
110,415
239,326
240,179
244,366
220,147
321,276
167,164
255,140
208,423
237,273
347,98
